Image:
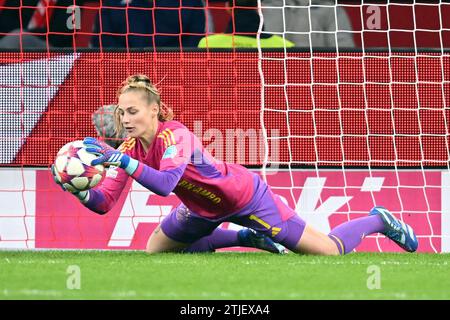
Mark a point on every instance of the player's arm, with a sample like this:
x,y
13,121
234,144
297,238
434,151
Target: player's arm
x,y
101,199
161,182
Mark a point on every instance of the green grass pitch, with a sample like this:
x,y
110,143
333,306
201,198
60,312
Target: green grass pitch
x,y
222,275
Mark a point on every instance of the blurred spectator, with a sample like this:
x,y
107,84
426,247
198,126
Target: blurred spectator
x,y
147,23
243,29
103,120
25,23
296,23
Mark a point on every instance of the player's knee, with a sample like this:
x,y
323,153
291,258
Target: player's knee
x,y
152,242
153,247
332,250
321,248
150,250
325,251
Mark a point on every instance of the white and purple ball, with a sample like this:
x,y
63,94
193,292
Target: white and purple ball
x,y
73,167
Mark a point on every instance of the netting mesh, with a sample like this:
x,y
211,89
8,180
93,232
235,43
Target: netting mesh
x,y
375,108
357,111
350,127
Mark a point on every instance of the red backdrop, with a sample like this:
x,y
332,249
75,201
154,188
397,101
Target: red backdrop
x,y
356,109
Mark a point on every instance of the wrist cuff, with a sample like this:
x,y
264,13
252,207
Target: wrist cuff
x,y
132,166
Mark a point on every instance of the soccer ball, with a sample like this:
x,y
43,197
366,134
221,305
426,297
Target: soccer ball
x,y
73,169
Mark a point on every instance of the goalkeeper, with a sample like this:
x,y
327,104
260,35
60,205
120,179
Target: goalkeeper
x,y
164,156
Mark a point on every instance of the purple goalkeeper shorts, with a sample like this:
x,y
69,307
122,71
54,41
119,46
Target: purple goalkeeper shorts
x,y
265,213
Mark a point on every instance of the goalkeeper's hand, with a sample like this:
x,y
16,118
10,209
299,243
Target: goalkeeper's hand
x,y
81,195
109,156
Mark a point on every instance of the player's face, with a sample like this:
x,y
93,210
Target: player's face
x,y
138,117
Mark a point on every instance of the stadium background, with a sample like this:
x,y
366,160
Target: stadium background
x,y
370,110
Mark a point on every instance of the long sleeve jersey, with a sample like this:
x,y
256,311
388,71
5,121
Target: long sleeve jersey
x,y
177,162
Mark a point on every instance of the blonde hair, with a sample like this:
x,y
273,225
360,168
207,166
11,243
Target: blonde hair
x,y
142,83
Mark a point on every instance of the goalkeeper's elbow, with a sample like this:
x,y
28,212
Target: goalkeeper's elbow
x,y
100,207
163,192
100,212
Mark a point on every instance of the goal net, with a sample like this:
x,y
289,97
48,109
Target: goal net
x,y
348,113
362,111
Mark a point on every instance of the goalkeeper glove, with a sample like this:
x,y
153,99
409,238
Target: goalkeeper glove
x,y
109,156
81,195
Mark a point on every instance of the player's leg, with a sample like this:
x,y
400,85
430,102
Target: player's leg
x,y
159,242
219,238
341,240
269,215
315,242
183,231
293,233
223,238
179,230
277,220
274,218
349,235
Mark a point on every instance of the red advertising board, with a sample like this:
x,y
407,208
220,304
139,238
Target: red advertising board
x,y
323,198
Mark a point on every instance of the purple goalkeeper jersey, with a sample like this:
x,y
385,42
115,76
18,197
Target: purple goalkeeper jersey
x,y
177,162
